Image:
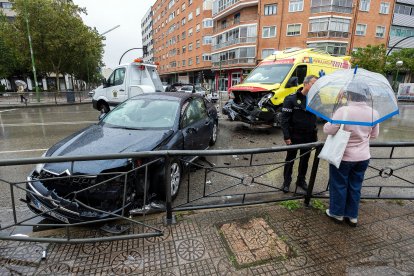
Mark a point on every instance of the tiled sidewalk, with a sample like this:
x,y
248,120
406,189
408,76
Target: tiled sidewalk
x,y
382,244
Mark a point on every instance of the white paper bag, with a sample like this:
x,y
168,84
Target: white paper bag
x,y
334,147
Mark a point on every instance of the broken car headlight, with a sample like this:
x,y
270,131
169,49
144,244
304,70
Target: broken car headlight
x,y
39,167
264,99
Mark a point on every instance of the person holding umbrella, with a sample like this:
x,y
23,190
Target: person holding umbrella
x,y
363,100
21,86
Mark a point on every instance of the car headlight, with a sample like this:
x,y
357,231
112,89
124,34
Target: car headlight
x,y
39,167
264,99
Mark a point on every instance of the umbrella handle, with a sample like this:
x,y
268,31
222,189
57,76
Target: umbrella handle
x,y
355,70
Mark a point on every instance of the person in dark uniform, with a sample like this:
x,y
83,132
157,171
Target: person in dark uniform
x,y
299,127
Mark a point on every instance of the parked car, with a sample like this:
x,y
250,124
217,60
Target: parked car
x,y
148,122
91,93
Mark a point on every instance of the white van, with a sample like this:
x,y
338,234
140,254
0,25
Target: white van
x,y
125,82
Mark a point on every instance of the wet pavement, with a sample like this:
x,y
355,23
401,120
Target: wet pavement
x,y
382,244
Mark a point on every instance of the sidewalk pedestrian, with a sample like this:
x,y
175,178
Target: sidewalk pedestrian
x,y
299,127
20,91
345,183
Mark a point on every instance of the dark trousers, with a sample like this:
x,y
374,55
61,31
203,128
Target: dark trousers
x,y
303,165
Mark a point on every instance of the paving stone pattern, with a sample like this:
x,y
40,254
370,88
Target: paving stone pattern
x,y
382,244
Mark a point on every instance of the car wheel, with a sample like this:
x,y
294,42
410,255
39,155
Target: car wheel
x,y
104,108
175,177
214,133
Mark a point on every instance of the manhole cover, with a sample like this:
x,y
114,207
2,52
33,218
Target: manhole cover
x,y
253,242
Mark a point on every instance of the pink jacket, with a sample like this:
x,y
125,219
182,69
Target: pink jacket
x,y
358,145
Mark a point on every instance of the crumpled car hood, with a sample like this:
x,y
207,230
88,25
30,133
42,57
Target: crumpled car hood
x,y
96,140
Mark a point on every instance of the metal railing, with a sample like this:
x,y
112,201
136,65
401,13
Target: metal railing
x,y
45,97
218,178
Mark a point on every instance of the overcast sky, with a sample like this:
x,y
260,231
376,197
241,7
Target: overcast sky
x,y
105,14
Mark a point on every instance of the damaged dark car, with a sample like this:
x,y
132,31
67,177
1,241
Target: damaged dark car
x,y
91,190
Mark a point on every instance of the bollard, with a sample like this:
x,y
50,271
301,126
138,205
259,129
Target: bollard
x,y
312,176
170,218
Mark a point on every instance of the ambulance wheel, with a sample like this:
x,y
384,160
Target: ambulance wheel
x,y
278,117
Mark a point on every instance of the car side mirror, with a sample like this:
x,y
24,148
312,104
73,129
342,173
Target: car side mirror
x,y
292,82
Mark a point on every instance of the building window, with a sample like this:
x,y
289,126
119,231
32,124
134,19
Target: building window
x,y
190,16
197,28
190,32
270,9
267,52
361,29
183,21
197,11
295,5
385,8
401,31
293,29
236,18
6,5
183,7
340,6
334,48
364,5
402,9
197,60
207,40
207,23
329,27
198,44
190,47
223,23
190,2
269,32
184,47
206,57
183,35
190,61
380,31
183,62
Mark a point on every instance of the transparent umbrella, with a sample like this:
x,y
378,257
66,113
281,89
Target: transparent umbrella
x,y
352,87
21,83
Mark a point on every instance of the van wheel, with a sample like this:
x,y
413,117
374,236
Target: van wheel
x,y
104,108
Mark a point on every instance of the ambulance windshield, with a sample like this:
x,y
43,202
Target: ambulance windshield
x,y
268,74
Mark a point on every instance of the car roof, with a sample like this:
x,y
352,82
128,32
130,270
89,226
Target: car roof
x,y
167,96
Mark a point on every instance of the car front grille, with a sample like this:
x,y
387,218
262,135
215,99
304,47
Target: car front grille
x,y
77,182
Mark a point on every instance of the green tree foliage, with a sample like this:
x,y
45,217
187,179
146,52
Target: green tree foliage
x,y
372,58
406,56
62,44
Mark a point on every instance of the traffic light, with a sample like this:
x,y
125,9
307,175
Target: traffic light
x,y
145,50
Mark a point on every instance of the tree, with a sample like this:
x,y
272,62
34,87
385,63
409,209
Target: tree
x,y
59,37
406,56
371,58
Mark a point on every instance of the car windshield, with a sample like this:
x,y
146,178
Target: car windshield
x,y
268,74
143,113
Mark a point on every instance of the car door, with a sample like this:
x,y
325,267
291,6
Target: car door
x,y
196,125
116,91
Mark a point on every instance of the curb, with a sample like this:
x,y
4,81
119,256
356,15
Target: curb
x,y
8,106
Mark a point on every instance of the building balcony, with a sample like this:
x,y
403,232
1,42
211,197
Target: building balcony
x,y
232,62
232,42
325,34
222,8
331,8
235,22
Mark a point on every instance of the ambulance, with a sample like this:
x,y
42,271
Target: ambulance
x,y
259,98
126,81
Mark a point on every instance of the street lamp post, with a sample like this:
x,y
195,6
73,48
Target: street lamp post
x,y
31,51
398,64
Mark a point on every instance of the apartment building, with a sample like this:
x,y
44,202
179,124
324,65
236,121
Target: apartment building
x,y
402,28
146,34
230,37
182,40
6,9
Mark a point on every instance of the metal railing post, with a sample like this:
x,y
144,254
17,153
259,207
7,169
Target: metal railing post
x,y
312,178
170,218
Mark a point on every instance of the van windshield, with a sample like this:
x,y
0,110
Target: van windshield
x,y
269,74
